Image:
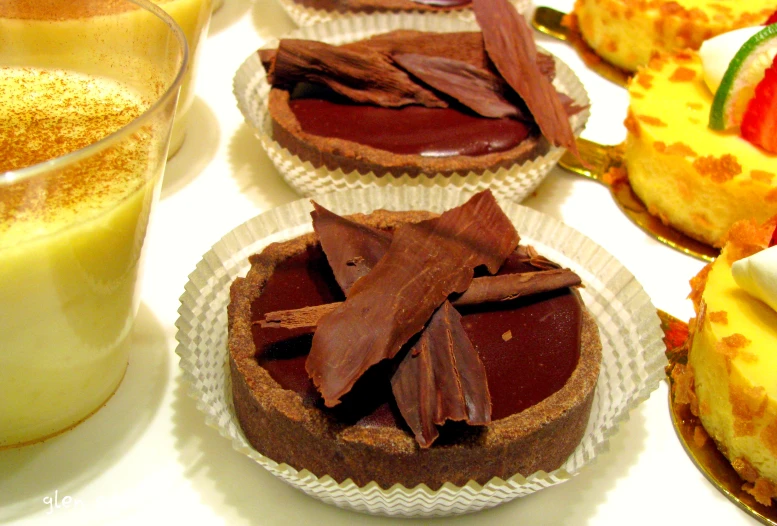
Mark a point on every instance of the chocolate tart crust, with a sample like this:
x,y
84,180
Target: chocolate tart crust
x,y
279,426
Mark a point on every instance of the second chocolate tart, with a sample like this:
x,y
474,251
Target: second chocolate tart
x,y
507,165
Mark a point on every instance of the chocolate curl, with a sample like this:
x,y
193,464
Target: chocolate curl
x,y
466,46
477,89
364,76
352,249
441,378
482,290
510,44
389,305
506,287
453,368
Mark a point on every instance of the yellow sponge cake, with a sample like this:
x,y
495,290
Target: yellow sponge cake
x,y
698,180
627,32
732,362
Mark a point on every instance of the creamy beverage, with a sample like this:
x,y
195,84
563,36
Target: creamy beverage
x,y
194,17
70,245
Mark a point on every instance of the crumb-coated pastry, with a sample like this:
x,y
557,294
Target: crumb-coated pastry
x,y
729,379
699,181
626,33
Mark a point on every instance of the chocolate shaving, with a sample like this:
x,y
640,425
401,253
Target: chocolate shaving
x,y
478,89
506,287
510,44
528,254
486,289
441,378
351,248
389,305
464,46
570,105
267,57
362,75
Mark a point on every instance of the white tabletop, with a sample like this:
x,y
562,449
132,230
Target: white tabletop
x,y
148,458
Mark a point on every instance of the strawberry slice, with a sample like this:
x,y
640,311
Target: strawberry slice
x,y
773,241
759,123
772,19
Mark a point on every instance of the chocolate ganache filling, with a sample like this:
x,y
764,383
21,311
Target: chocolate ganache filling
x,y
430,132
529,346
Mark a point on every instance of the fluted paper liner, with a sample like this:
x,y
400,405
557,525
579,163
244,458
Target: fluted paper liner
x,y
252,91
305,16
632,361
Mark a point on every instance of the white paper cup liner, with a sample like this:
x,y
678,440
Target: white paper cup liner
x,y
306,16
252,91
632,354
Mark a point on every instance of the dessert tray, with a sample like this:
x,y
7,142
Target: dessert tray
x,y
252,90
632,365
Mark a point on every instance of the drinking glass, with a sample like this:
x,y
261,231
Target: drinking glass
x,y
89,92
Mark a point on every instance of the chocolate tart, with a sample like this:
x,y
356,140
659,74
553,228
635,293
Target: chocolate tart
x,y
314,164
632,355
363,444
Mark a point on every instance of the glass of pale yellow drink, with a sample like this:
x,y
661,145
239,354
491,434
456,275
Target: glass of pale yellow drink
x,y
88,91
193,16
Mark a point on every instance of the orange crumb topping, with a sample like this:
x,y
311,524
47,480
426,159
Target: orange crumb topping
x,y
719,316
769,436
631,124
763,491
653,121
615,175
698,282
719,169
700,436
736,341
747,237
680,149
682,74
761,175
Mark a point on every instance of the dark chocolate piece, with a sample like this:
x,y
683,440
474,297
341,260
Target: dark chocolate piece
x,y
267,57
511,286
530,255
455,376
466,46
360,74
476,88
484,289
389,305
441,378
510,44
351,248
